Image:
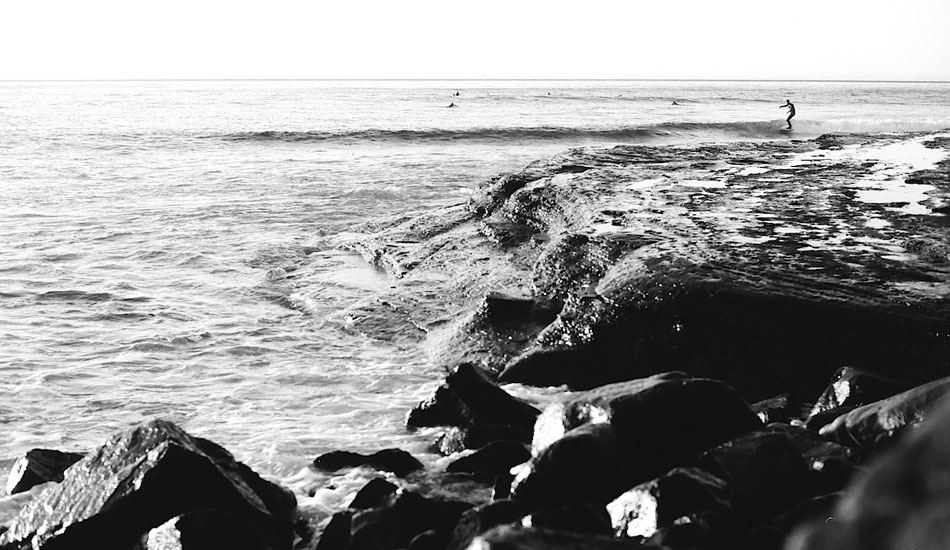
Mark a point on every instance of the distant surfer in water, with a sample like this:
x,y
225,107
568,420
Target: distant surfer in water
x,y
791,112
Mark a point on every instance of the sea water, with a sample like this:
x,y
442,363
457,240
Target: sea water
x,y
168,249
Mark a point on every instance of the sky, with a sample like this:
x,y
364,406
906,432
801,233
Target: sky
x,y
476,39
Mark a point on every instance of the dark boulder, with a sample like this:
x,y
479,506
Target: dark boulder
x,y
468,398
901,501
139,480
877,424
457,439
400,519
658,503
582,518
851,387
627,433
773,534
39,466
336,534
494,459
764,470
396,461
831,464
709,411
476,521
507,537
699,531
375,493
209,530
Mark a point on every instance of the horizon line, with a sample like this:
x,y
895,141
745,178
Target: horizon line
x,y
850,80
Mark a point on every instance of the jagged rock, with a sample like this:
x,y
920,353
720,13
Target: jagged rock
x,y
899,502
457,439
396,461
853,387
583,518
209,530
492,460
681,492
627,433
765,472
39,466
468,398
476,521
142,478
876,424
780,408
397,522
507,537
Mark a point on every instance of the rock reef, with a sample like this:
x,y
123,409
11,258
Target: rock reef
x,y
739,330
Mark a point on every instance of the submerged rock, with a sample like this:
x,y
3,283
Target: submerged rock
x,y
141,479
39,466
396,461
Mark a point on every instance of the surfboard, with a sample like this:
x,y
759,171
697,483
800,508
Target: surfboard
x,y
785,130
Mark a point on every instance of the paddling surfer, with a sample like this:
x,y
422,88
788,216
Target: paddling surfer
x,y
791,112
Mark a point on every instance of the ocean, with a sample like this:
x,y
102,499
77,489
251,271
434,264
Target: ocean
x,y
171,249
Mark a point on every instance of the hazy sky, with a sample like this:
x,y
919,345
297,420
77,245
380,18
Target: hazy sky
x,y
731,39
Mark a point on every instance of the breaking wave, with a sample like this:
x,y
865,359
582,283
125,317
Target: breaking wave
x,y
660,132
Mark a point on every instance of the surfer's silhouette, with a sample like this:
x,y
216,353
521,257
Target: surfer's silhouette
x,y
791,112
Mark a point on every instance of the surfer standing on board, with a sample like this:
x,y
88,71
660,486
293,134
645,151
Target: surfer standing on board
x,y
791,112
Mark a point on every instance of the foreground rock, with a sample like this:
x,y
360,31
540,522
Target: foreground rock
x,y
901,502
143,478
402,519
877,424
601,442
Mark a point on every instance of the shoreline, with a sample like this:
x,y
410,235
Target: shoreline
x,y
713,260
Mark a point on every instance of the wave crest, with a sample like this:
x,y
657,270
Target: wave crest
x,y
659,132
